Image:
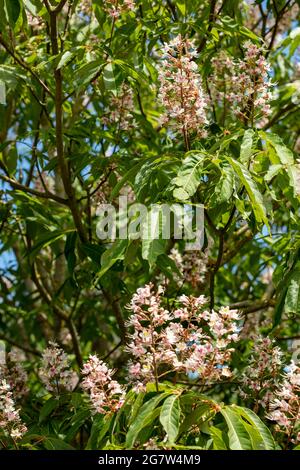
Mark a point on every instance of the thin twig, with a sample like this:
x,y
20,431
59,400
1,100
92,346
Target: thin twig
x,y
46,195
34,352
24,65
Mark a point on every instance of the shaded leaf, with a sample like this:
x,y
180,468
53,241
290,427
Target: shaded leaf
x,y
143,418
170,417
253,192
189,175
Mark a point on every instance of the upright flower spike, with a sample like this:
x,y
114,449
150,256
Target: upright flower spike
x,y
15,375
116,7
10,421
180,90
242,86
192,266
55,372
120,109
188,340
263,372
106,394
285,406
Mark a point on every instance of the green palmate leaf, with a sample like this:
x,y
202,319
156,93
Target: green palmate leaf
x,y
131,71
126,178
77,421
65,59
153,244
11,75
49,406
246,146
254,436
285,157
198,416
11,160
34,6
290,305
100,427
181,5
246,429
95,430
168,266
111,256
170,417
225,186
237,434
87,72
146,432
143,419
47,239
218,438
109,77
189,175
292,298
152,248
253,192
13,8
136,407
272,172
260,432
2,93
284,153
94,251
154,171
70,251
248,33
52,443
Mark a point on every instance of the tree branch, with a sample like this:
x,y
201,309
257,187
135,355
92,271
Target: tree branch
x,y
61,314
46,195
211,19
64,169
24,66
118,314
20,346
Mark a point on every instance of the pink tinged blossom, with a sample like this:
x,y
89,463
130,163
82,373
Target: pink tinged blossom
x,y
180,91
262,375
15,375
135,369
192,265
177,342
55,371
10,421
120,109
115,8
106,394
285,406
226,372
243,83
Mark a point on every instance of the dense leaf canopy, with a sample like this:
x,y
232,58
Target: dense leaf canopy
x,y
92,109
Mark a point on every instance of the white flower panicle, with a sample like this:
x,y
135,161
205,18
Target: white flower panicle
x,y
106,394
243,85
120,110
55,372
262,374
285,406
180,90
15,375
10,421
115,8
192,266
188,340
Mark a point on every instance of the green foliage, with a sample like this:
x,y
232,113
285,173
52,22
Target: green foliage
x,y
81,125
